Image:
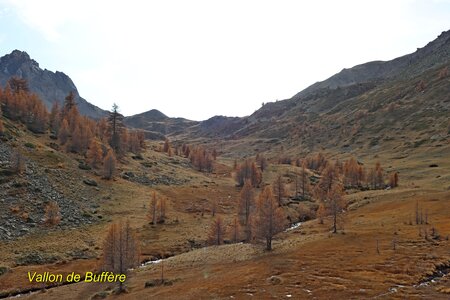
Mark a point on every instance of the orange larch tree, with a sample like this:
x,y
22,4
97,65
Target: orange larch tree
x,y
248,171
109,165
94,154
166,146
393,180
64,133
269,217
162,205
152,214
246,202
336,203
262,162
279,189
305,184
52,213
120,249
54,119
18,84
236,230
217,232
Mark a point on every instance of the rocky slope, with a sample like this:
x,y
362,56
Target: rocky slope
x,y
24,196
49,86
433,54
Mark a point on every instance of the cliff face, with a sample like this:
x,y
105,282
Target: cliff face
x,y
49,86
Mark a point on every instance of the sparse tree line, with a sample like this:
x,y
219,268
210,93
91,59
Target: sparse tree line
x,y
201,158
259,219
353,173
157,210
101,142
422,217
121,251
314,178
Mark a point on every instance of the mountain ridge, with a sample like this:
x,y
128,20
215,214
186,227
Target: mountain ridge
x,y
54,86
323,96
374,70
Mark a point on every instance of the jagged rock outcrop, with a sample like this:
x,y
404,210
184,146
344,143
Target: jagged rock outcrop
x,y
49,86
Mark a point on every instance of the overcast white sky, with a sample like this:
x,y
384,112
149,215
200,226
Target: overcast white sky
x,y
196,59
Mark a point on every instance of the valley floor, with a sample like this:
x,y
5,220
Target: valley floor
x,y
307,262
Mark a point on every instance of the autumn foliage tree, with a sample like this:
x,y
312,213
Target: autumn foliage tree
x,y
157,210
354,173
69,103
73,130
186,150
120,249
54,119
336,203
236,230
201,159
136,141
153,209
328,178
52,214
246,201
35,115
279,189
302,182
321,212
94,154
217,232
248,171
245,207
109,165
317,162
393,180
162,205
18,84
269,217
261,160
375,177
166,147
23,106
63,134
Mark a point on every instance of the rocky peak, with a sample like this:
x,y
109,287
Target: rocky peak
x,y
49,86
18,55
16,61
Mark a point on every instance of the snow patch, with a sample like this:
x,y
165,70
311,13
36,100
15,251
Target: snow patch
x,y
294,226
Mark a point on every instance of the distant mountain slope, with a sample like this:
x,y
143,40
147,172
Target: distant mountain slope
x,y
433,54
154,121
402,104
49,86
